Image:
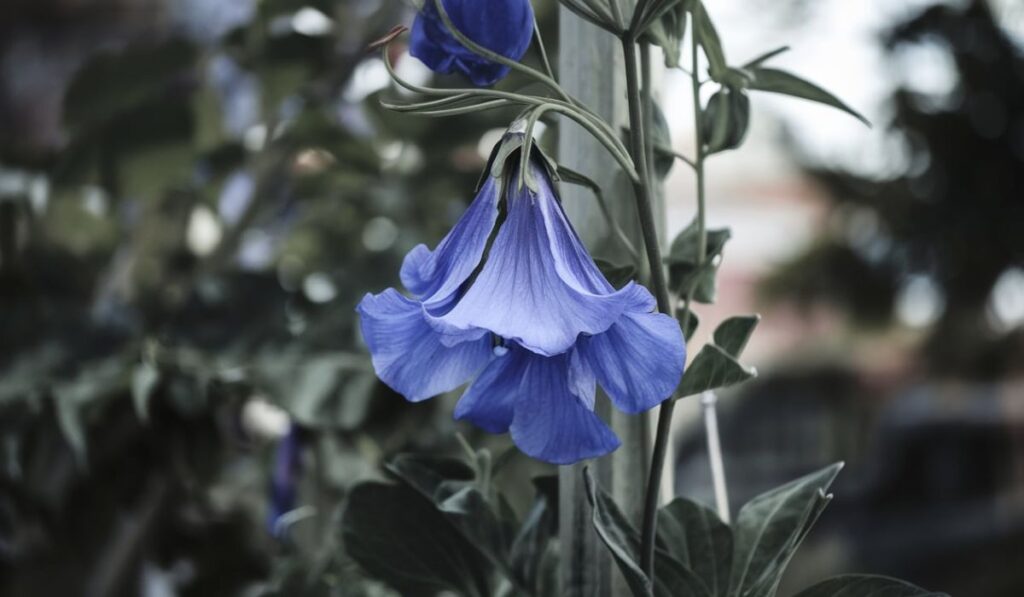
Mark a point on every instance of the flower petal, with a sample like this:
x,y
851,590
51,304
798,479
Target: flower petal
x,y
440,272
638,361
550,422
489,401
538,286
409,355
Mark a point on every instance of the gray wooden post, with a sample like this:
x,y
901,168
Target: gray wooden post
x,y
590,68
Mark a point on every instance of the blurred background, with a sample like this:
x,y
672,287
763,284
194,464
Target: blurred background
x,y
194,194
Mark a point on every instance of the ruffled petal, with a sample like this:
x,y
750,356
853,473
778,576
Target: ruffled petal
x,y
638,361
550,422
538,286
489,401
409,355
439,273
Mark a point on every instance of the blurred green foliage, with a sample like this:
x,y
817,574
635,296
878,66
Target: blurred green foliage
x,y
185,265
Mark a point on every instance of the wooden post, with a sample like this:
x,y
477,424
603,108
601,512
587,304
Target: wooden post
x,y
590,68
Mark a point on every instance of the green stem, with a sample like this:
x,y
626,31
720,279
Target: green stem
x,y
649,229
661,439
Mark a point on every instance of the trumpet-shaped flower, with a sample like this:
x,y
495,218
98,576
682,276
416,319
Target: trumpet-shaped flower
x,y
502,26
512,300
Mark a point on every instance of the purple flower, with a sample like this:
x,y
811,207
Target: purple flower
x,y
502,26
512,299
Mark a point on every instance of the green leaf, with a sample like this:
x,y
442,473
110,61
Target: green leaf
x,y
732,334
661,140
765,57
112,83
618,535
691,322
712,368
699,540
403,540
866,585
769,529
708,38
530,551
780,81
684,272
617,275
725,120
672,578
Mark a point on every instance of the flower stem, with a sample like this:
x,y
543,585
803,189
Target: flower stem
x,y
661,438
649,229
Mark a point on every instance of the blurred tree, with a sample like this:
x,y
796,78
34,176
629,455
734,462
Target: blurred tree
x,y
953,218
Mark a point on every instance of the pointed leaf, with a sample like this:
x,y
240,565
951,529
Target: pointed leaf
x,y
699,540
618,535
707,35
689,324
732,334
780,81
668,31
769,529
672,578
765,57
725,120
712,368
866,585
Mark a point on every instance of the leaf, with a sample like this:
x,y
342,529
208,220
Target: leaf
x,y
691,322
866,585
712,368
618,535
699,540
617,275
708,38
732,334
672,578
684,272
529,550
769,529
725,120
780,81
113,83
401,539
765,57
661,140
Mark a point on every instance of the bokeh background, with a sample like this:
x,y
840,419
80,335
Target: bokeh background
x,y
194,194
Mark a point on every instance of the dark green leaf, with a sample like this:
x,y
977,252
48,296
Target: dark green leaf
x,y
780,81
707,35
712,368
112,83
699,540
765,57
661,139
866,585
617,275
618,535
672,578
769,529
529,549
684,273
688,323
402,539
732,334
684,248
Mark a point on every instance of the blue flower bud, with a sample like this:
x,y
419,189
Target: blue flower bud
x,y
502,26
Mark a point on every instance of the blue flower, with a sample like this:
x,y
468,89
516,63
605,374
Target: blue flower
x,y
512,300
284,478
502,26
